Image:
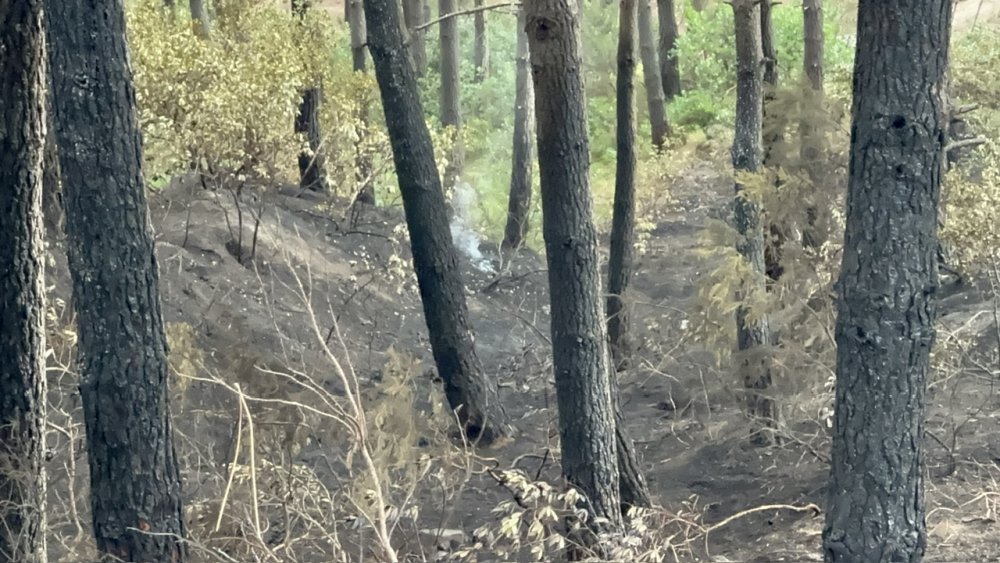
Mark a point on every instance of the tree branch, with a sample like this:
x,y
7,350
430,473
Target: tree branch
x,y
466,13
975,141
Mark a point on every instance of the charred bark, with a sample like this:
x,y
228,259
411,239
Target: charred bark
x,y
885,322
519,202
753,328
22,289
670,73
812,148
312,162
659,126
580,357
134,479
469,391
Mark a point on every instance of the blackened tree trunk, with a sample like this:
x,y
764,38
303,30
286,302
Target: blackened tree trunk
x,y
22,289
312,162
632,484
772,134
752,327
885,321
200,19
519,202
659,127
670,73
52,206
362,161
812,147
469,391
451,109
623,216
481,48
583,380
413,15
134,479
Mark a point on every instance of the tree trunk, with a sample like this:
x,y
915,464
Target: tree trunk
x,y
362,162
451,109
579,346
623,216
812,147
200,21
475,396
753,330
482,48
413,14
134,479
772,135
52,206
519,203
659,126
22,288
312,162
670,73
885,325
699,5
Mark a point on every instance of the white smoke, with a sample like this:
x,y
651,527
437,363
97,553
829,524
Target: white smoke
x,y
462,232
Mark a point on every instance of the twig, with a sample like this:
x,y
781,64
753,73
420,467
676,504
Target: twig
x,y
466,13
807,508
232,469
955,145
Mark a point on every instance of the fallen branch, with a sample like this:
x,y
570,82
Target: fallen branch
x,y
475,10
975,141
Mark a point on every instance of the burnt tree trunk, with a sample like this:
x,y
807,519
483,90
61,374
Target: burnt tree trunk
x,y
200,20
451,109
519,202
812,147
469,391
659,127
312,162
632,485
134,480
362,161
22,288
481,48
670,73
580,358
753,328
771,138
413,15
623,216
886,313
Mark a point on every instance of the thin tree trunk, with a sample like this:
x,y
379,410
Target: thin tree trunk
x,y
659,126
362,161
623,217
519,203
885,326
469,391
580,358
753,329
481,47
135,484
632,484
451,110
22,288
200,19
670,73
413,15
312,162
772,136
699,5
812,148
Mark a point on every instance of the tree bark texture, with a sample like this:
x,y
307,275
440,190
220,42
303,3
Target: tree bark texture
x,y
22,289
886,313
670,73
200,20
753,330
659,127
771,137
481,48
362,161
519,202
580,362
812,147
451,108
134,479
468,390
413,15
623,215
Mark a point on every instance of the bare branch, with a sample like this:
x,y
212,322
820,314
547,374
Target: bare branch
x,y
466,13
